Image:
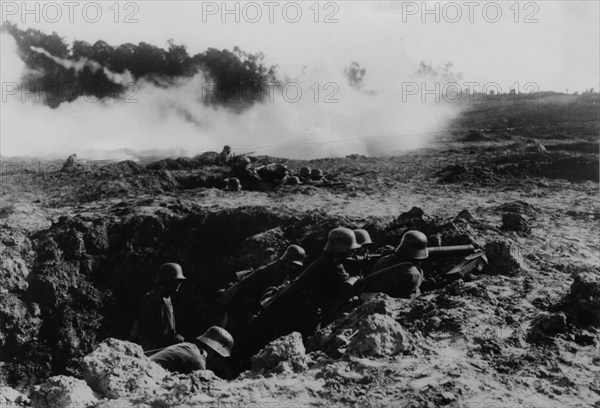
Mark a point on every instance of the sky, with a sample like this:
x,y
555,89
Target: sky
x,y
553,44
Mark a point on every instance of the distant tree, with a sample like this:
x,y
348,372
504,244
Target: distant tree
x,y
239,76
82,49
177,60
103,52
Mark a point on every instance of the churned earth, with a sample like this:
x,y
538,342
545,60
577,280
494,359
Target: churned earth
x,y
80,247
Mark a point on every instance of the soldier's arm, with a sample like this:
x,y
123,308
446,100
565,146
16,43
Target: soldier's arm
x,y
169,334
340,273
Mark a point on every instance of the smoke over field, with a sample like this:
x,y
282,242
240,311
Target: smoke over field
x,y
61,99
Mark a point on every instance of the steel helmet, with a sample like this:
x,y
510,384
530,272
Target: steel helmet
x,y
169,271
218,339
295,254
362,237
227,147
316,174
281,168
305,172
341,240
413,245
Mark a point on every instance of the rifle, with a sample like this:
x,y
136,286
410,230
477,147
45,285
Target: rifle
x,y
433,251
451,250
472,263
266,303
227,296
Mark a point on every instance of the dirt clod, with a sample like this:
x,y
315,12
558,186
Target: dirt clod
x,y
9,397
515,222
63,392
550,323
118,368
504,258
584,299
284,355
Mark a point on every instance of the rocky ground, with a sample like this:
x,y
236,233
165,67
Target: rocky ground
x,y
79,249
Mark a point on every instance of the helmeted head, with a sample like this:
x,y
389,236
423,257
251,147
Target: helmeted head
x,y
413,246
169,272
243,162
341,240
281,169
294,254
316,174
305,172
218,339
362,237
227,148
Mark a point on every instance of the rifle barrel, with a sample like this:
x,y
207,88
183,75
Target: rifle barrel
x,y
453,249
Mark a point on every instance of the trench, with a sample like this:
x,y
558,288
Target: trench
x,y
90,272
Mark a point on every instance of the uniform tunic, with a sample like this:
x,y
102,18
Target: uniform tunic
x,y
182,358
157,321
321,281
400,280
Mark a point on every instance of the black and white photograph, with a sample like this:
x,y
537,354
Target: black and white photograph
x,y
294,204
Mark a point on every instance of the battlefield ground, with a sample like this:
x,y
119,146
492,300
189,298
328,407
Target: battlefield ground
x,y
520,180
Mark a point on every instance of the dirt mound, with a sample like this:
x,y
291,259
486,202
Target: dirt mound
x,y
583,147
118,369
583,301
63,392
10,397
284,355
474,136
369,330
552,165
184,163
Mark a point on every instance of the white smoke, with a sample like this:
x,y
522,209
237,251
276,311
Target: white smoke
x,y
330,118
122,79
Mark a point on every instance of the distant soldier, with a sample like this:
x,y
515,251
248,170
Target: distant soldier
x,y
304,174
398,274
243,171
274,174
225,157
157,319
211,351
70,163
316,174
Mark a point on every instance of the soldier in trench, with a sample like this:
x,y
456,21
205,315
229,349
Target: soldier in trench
x,y
210,351
399,274
313,298
156,325
241,301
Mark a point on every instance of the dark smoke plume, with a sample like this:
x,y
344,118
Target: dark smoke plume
x,y
65,73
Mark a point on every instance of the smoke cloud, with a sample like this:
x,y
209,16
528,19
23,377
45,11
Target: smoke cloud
x,y
81,63
315,114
